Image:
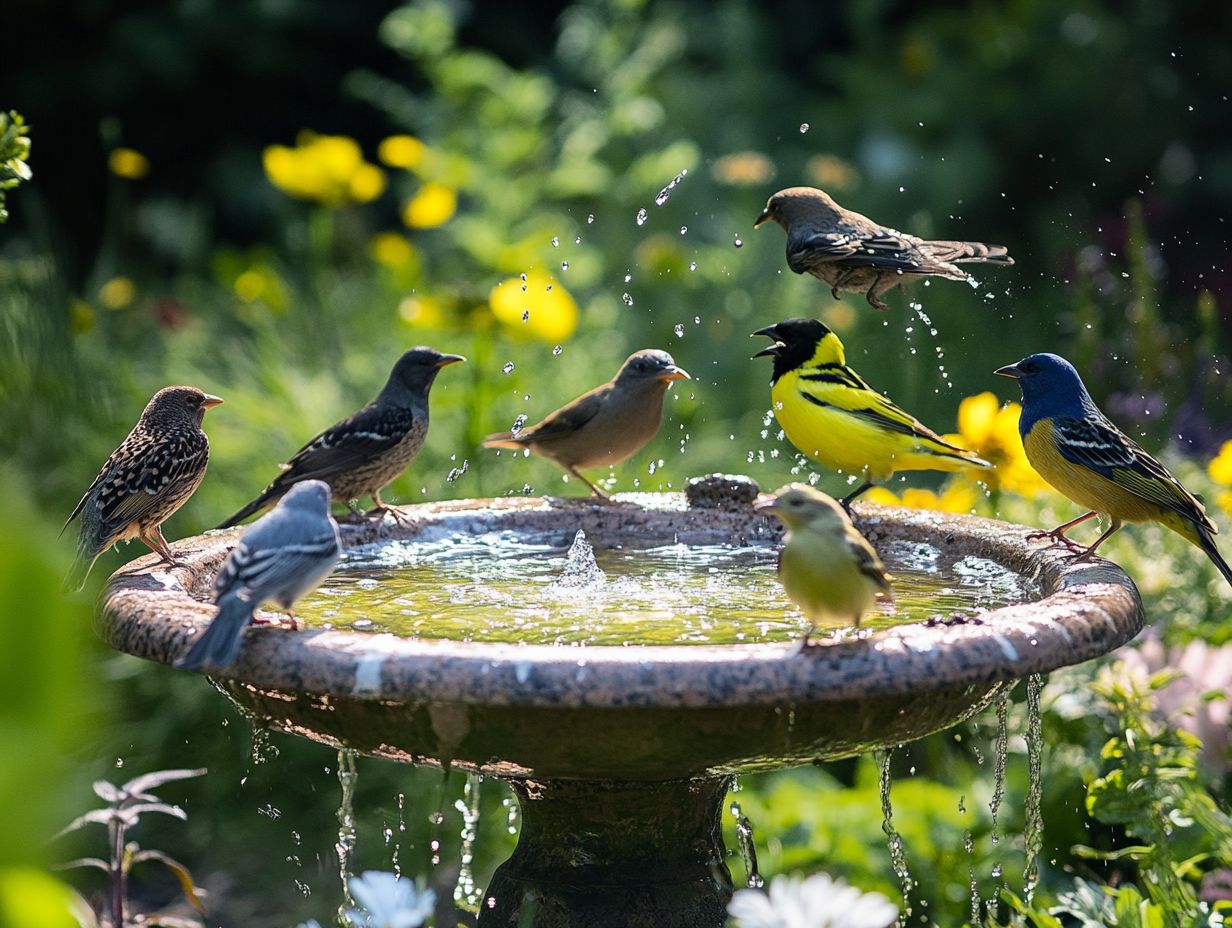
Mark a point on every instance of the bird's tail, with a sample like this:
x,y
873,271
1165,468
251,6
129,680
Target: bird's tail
x,y
219,644
82,565
958,252
268,497
1207,544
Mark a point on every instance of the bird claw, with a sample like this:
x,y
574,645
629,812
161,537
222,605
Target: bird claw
x,y
379,512
1057,538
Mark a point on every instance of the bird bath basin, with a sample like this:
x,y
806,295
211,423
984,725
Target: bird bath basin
x,y
620,756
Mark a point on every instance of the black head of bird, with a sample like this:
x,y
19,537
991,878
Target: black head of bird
x,y
417,368
650,366
795,343
179,406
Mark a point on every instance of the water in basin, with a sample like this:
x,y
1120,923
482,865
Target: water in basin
x,y
498,589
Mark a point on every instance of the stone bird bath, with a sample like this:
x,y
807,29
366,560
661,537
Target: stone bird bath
x,y
621,756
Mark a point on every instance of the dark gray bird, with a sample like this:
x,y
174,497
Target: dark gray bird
x,y
368,449
151,475
280,557
605,426
852,252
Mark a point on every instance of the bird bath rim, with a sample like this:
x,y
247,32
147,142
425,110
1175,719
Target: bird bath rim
x,y
153,610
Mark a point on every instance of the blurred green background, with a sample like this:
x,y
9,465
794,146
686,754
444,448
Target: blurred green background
x,y
273,199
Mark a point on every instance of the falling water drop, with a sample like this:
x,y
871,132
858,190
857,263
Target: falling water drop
x,y
507,368
642,216
261,749
739,242
678,328
1000,752
748,853
1033,831
898,857
804,127
590,219
627,299
557,350
465,892
564,265
512,812
667,191
345,845
396,857
555,241
692,265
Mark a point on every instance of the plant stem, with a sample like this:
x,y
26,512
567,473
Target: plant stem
x,y
117,875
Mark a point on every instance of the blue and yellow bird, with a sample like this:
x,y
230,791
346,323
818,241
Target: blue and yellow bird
x,y
829,412
1083,455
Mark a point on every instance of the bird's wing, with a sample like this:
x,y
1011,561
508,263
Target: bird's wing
x,y
1099,445
136,481
568,419
880,248
366,434
839,387
867,561
254,571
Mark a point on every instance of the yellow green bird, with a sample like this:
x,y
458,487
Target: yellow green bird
x,y
1080,452
828,568
838,420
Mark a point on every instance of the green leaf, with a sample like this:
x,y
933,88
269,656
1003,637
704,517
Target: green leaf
x,y
187,885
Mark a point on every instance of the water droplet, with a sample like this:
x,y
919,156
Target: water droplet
x,y
555,241
642,216
557,350
590,219
804,127
564,265
435,818
627,299
667,191
679,330
507,368
739,243
684,229
692,265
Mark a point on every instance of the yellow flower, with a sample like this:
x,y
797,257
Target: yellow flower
x,y
957,496
391,249
1225,501
1220,467
432,206
129,164
422,312
117,293
401,151
260,283
536,305
743,168
991,431
329,169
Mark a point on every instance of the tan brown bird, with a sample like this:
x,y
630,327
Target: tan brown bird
x,y
157,467
852,252
605,426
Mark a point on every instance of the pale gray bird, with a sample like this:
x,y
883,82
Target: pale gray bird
x,y
852,252
605,426
157,467
369,448
281,557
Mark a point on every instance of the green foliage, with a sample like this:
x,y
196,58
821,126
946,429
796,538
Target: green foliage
x,y
14,153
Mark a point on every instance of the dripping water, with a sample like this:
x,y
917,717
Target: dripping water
x,y
262,749
969,847
1033,832
898,857
512,812
1001,749
748,850
396,860
465,892
345,845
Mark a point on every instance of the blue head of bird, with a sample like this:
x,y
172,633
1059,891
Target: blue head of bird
x,y
311,496
1050,387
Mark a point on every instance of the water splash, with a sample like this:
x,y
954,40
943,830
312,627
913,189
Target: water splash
x,y
894,841
1033,831
512,814
748,848
465,892
345,845
1001,750
581,568
261,749
396,857
667,191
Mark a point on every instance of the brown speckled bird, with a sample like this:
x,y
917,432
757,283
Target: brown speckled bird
x,y
151,475
368,449
605,426
852,252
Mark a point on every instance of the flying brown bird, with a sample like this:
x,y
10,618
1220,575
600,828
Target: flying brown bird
x,y
605,426
368,449
157,467
852,252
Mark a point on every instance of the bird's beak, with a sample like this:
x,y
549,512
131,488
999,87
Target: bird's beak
x,y
762,219
674,373
1010,370
771,332
446,359
766,502
211,400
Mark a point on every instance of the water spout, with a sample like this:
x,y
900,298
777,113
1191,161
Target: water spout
x,y
345,845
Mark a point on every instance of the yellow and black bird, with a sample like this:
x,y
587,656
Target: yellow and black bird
x,y
369,448
1083,455
838,420
827,567
852,252
605,426
157,467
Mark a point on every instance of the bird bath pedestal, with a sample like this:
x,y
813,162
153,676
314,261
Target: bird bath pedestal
x,y
621,756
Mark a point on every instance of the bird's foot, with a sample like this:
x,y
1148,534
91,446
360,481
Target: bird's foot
x,y
877,303
1057,537
834,292
379,512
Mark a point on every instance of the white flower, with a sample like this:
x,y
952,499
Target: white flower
x,y
387,901
817,901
